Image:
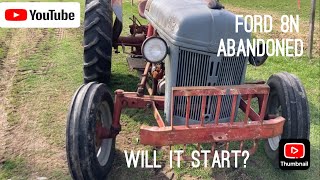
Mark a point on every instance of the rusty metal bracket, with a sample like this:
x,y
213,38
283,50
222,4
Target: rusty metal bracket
x,y
224,132
253,126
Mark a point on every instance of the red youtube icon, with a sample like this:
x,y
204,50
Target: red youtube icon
x,y
294,150
16,15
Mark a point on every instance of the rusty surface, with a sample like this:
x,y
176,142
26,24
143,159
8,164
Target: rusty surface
x,y
102,133
150,31
144,76
131,100
223,132
221,90
188,110
233,108
263,100
149,89
135,41
252,127
157,115
158,72
203,109
247,109
138,34
252,115
141,8
136,27
257,128
117,109
216,119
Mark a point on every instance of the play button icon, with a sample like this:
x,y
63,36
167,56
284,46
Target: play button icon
x,y
16,14
294,154
294,150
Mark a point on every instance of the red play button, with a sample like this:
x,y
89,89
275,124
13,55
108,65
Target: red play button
x,y
294,150
16,14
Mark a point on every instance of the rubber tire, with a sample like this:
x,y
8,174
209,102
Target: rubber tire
x,y
80,133
295,109
98,30
117,29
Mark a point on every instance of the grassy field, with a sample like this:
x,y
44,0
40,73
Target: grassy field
x,y
48,70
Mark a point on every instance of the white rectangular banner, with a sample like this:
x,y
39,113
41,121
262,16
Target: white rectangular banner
x,y
39,15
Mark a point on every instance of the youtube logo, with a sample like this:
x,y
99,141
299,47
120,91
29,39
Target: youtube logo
x,y
40,14
294,154
294,150
16,14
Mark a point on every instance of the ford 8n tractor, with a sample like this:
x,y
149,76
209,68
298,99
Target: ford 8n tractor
x,y
200,92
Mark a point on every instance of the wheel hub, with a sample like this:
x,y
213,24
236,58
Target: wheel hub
x,y
103,146
275,109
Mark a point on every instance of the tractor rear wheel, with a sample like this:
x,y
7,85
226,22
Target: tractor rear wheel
x,y
90,157
97,41
288,99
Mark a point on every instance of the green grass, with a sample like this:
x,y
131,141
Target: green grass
x,y
4,33
308,72
47,79
13,168
44,84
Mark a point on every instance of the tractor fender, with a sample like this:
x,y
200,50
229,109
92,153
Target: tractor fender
x,y
117,8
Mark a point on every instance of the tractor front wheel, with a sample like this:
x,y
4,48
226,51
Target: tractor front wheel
x,y
90,157
288,99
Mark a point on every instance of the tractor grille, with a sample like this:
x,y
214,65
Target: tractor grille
x,y
203,69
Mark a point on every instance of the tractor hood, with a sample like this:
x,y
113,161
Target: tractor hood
x,y
192,24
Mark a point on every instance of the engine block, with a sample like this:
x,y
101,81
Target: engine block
x,y
193,32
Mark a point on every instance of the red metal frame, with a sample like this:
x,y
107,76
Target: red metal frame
x,y
257,128
161,135
138,34
254,125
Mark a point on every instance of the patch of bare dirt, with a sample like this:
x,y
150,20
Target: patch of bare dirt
x,y
22,139
60,34
7,72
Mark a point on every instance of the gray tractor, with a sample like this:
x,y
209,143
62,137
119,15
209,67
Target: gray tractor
x,y
203,95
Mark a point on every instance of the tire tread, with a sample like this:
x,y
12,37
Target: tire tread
x,y
97,39
81,155
295,109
